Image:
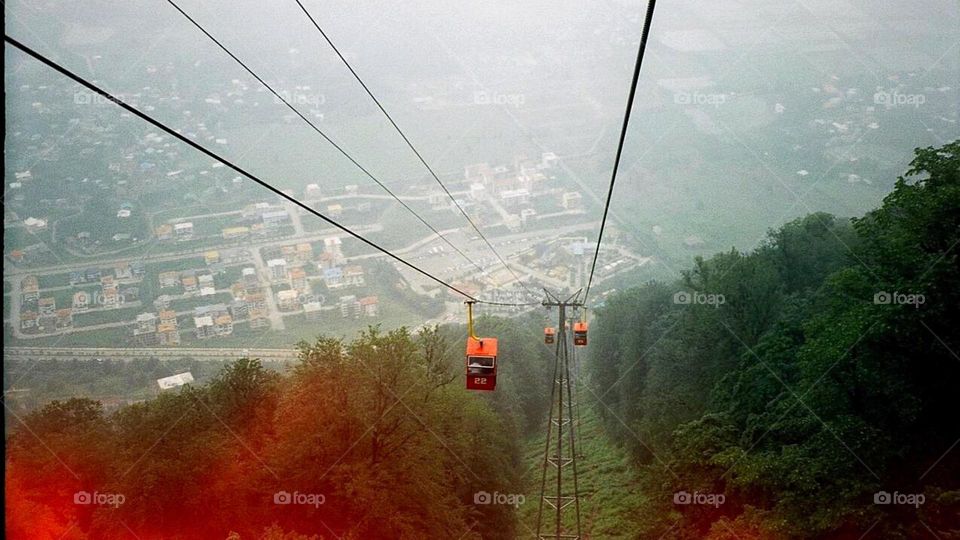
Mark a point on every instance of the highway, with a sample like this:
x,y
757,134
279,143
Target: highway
x,y
93,353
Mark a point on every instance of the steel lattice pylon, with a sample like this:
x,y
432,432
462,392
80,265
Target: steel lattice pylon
x,y
559,455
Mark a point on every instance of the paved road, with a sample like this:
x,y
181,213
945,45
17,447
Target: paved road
x,y
15,299
273,311
385,197
62,353
294,212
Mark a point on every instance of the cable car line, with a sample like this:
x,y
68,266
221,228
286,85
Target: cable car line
x,y
322,134
623,135
410,144
509,304
174,133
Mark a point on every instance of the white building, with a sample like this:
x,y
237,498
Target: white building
x,y
204,327
183,231
332,245
34,224
548,160
312,311
514,197
277,268
571,200
478,191
288,300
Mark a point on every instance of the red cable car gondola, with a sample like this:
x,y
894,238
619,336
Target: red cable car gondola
x,y
481,358
481,363
549,335
580,333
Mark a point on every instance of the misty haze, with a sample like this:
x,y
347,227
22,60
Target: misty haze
x,y
303,269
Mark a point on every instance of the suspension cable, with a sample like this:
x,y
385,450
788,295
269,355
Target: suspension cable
x,y
410,145
623,135
182,138
322,134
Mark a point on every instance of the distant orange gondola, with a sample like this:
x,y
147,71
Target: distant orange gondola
x,y
580,334
549,335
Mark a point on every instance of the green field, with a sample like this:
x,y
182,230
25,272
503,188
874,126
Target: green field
x,y
106,316
229,276
64,297
54,280
187,304
114,337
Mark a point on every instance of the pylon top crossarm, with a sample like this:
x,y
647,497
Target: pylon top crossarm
x,y
572,301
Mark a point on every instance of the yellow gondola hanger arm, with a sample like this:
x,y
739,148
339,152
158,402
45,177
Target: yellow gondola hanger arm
x,y
470,331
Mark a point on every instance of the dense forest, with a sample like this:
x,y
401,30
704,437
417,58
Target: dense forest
x,y
807,389
372,438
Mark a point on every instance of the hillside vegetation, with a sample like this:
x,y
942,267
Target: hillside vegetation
x,y
372,438
806,389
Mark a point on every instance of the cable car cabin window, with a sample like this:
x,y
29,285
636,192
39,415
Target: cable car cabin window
x,y
549,335
485,362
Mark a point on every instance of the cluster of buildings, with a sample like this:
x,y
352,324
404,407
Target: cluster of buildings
x,y
516,193
287,266
209,321
123,273
508,184
152,329
212,321
115,287
352,307
193,282
334,271
39,315
296,267
255,220
180,232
